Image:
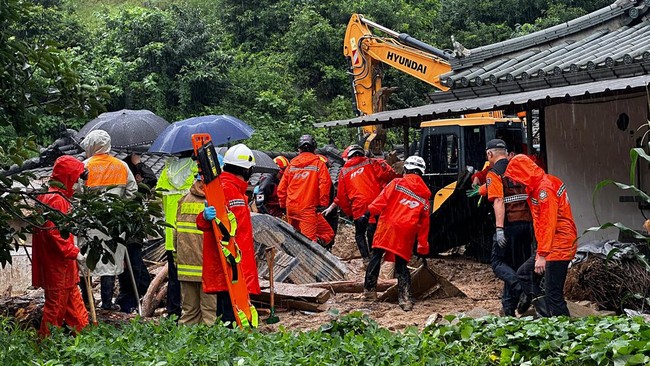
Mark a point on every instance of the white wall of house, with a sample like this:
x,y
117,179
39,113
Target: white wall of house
x,y
585,146
15,278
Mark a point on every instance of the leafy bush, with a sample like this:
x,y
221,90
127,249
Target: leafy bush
x,y
351,340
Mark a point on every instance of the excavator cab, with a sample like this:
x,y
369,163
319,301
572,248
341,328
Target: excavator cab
x,y
454,149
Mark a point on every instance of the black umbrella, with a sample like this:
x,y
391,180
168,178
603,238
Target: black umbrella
x,y
127,128
263,162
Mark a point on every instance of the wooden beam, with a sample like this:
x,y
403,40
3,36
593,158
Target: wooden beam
x,y
303,305
287,291
350,286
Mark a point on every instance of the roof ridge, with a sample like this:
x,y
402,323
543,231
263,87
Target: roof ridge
x,y
480,54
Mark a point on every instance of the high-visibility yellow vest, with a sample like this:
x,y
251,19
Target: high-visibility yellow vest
x,y
177,178
189,240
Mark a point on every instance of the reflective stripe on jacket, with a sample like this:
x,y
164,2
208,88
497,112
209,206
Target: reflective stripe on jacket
x,y
214,279
305,185
403,209
360,181
189,239
176,179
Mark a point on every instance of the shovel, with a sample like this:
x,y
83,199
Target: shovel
x,y
270,256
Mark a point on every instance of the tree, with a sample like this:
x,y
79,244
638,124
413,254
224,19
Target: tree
x,y
39,78
38,81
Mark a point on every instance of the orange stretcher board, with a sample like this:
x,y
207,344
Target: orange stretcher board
x,y
230,255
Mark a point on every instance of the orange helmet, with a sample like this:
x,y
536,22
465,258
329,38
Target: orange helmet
x,y
281,162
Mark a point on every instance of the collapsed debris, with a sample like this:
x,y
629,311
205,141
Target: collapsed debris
x,y
426,283
298,259
611,275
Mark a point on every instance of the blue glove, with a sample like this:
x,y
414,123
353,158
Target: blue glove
x,y
501,238
209,213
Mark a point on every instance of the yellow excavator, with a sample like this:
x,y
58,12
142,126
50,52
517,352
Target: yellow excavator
x,y
451,147
367,52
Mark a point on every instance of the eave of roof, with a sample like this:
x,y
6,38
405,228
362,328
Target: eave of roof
x,y
413,116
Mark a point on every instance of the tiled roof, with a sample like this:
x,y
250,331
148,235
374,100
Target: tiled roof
x,y
611,42
41,167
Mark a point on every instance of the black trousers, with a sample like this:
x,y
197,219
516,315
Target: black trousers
x,y
224,308
553,302
107,288
401,272
506,261
173,287
363,234
333,220
127,299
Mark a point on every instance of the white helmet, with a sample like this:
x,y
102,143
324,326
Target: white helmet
x,y
239,155
415,162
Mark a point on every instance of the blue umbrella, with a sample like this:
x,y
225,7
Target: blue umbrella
x,y
223,129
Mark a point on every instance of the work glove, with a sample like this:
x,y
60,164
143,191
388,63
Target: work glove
x,y
328,210
501,238
473,191
209,213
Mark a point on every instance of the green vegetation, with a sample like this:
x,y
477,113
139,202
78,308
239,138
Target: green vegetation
x,y
276,64
350,340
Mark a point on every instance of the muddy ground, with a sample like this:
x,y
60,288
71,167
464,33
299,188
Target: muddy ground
x,y
476,280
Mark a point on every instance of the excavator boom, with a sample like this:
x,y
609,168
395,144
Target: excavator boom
x,y
366,52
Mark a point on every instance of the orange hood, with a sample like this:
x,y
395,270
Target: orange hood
x,y
305,159
523,170
67,170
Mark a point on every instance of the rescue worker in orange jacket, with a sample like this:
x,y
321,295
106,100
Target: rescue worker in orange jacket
x,y
266,192
514,228
54,266
555,232
305,192
238,162
360,181
403,209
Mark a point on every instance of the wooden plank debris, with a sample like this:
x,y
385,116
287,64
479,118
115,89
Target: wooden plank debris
x,y
287,291
351,286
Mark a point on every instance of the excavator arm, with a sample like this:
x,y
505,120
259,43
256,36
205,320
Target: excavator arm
x,y
366,52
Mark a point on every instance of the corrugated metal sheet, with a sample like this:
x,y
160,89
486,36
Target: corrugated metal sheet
x,y
440,110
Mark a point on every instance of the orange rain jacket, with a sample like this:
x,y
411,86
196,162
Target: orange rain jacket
x,y
54,258
360,181
305,185
214,279
403,209
555,229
